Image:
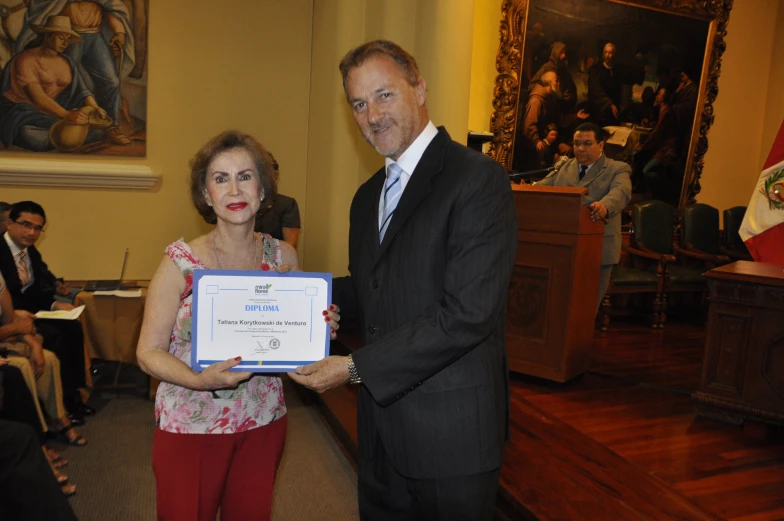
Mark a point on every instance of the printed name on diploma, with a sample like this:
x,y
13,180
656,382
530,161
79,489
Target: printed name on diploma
x,y
273,321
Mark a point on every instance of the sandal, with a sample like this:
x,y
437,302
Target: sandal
x,y
77,441
57,460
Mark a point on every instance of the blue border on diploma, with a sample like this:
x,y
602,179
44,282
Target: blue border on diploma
x,y
257,367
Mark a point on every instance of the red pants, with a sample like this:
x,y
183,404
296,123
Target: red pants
x,y
197,473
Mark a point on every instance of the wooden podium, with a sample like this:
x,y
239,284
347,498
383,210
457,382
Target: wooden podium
x,y
552,296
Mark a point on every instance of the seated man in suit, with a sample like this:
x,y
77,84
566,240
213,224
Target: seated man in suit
x,y
609,191
32,288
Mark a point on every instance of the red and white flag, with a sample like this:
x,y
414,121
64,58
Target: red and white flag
x,y
762,228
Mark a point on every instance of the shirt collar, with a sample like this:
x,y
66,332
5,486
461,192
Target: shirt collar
x,y
409,159
591,165
12,245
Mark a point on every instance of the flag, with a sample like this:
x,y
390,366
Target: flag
x,y
762,228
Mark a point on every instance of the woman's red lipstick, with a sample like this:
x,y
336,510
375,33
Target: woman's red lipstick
x,y
236,207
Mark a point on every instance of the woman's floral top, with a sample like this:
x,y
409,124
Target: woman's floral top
x,y
256,402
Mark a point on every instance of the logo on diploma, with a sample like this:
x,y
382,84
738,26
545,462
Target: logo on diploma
x,y
263,289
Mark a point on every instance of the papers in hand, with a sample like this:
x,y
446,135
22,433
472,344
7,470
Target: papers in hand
x,y
133,293
61,315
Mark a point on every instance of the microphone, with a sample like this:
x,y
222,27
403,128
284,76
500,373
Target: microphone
x,y
557,166
531,173
552,170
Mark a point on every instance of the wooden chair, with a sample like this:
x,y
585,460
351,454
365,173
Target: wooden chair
x,y
733,246
648,267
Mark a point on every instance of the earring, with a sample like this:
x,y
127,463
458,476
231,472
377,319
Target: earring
x,y
209,204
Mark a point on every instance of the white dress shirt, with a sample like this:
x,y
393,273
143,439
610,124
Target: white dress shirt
x,y
407,162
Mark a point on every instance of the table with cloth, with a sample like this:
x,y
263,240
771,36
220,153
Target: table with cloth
x,y
112,325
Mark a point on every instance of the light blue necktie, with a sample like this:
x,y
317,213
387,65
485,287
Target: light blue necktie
x,y
392,191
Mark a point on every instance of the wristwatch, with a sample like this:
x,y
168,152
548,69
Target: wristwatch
x,y
353,375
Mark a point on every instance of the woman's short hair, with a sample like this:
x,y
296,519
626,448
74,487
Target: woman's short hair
x,y
223,142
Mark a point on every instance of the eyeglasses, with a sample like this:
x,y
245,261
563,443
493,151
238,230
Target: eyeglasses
x,y
586,144
30,226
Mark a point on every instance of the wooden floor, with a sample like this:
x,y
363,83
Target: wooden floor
x,y
623,442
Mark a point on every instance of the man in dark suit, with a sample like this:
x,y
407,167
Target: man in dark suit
x,y
609,191
32,288
431,249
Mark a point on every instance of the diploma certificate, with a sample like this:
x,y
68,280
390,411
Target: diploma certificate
x,y
272,320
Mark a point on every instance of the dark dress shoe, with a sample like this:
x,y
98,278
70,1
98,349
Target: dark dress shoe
x,y
86,410
76,419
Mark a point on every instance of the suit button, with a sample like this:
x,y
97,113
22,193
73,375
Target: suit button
x,y
375,284
372,329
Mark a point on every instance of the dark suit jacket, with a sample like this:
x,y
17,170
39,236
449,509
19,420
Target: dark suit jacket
x,y
40,294
432,304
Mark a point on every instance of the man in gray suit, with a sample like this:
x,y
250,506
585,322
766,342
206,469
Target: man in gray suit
x,y
609,191
431,249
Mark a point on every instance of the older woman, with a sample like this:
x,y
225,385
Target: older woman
x,y
220,434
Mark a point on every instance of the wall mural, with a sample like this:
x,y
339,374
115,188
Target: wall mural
x,y
74,76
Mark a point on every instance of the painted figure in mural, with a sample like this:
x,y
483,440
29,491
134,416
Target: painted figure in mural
x,y
42,86
605,85
105,53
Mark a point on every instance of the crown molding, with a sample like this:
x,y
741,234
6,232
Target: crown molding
x,y
62,174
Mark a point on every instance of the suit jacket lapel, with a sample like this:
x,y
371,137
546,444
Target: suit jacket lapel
x,y
594,172
419,186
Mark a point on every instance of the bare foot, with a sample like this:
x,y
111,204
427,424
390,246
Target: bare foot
x,y
68,490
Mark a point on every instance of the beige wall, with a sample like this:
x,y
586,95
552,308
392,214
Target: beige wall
x,y
750,105
232,64
487,20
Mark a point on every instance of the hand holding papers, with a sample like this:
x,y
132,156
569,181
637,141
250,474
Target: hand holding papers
x,y
272,320
61,315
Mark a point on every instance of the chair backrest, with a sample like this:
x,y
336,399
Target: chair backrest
x,y
732,219
653,221
701,228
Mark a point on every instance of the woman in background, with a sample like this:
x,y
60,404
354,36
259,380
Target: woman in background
x,y
279,215
220,434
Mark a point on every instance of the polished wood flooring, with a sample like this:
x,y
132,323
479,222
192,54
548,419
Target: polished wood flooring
x,y
623,441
